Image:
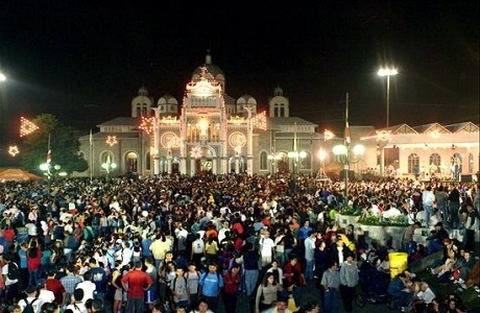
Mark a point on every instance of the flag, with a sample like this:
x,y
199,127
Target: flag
x,y
347,134
91,138
49,156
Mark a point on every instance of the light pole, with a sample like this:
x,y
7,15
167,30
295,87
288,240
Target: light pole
x,y
348,156
387,72
382,72
45,167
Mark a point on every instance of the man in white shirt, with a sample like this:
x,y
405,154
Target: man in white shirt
x,y
428,200
77,306
423,297
88,286
32,299
310,254
11,293
267,246
44,295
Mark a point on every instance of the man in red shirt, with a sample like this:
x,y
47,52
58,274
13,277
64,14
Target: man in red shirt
x,y
294,279
136,283
56,286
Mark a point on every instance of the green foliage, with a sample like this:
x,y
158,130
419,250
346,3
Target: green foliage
x,y
373,220
64,146
352,211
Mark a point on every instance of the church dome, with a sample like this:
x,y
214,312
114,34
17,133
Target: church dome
x,y
210,72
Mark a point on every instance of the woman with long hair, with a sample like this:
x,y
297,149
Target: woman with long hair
x,y
34,259
267,292
231,279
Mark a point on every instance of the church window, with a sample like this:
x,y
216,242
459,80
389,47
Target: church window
x,y
263,161
470,163
413,164
435,162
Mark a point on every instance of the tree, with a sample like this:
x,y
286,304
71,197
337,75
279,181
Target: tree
x,y
62,141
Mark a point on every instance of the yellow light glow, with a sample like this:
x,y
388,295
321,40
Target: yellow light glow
x,y
147,124
27,127
13,151
260,120
328,135
111,140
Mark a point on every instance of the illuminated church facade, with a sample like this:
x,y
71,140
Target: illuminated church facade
x,y
209,131
212,131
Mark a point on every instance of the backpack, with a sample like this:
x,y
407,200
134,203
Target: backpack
x,y
29,307
13,271
175,281
204,275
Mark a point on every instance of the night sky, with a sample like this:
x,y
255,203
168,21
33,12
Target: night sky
x,y
85,62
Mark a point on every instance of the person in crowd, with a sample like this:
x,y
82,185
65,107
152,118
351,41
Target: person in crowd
x,y
407,239
88,286
281,306
231,281
135,283
331,284
179,289
202,306
55,286
31,298
399,288
267,293
435,240
423,298
348,282
211,284
294,277
309,250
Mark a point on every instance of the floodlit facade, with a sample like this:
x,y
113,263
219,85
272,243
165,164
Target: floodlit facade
x,y
211,131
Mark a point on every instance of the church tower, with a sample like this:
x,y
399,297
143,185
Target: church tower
x,y
279,105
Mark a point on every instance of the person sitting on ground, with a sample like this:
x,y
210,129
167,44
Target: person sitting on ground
x,y
423,298
435,241
398,288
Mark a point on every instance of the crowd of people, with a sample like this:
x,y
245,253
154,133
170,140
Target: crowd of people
x,y
180,244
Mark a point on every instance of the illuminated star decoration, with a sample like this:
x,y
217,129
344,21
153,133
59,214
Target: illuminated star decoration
x,y
13,151
147,124
260,120
27,127
111,140
328,135
196,152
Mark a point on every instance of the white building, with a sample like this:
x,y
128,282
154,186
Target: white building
x,y
212,131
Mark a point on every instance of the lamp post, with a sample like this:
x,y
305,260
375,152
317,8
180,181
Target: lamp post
x,y
45,167
382,72
387,72
273,157
348,156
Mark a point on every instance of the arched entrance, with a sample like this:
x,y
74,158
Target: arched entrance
x,y
131,162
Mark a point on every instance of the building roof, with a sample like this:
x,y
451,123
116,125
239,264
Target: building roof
x,y
290,121
121,121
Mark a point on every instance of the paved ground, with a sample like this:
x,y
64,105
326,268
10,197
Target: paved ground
x,y
309,294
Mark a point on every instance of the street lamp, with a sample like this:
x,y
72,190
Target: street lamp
x,y
295,155
274,158
388,72
385,72
108,167
348,156
322,154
